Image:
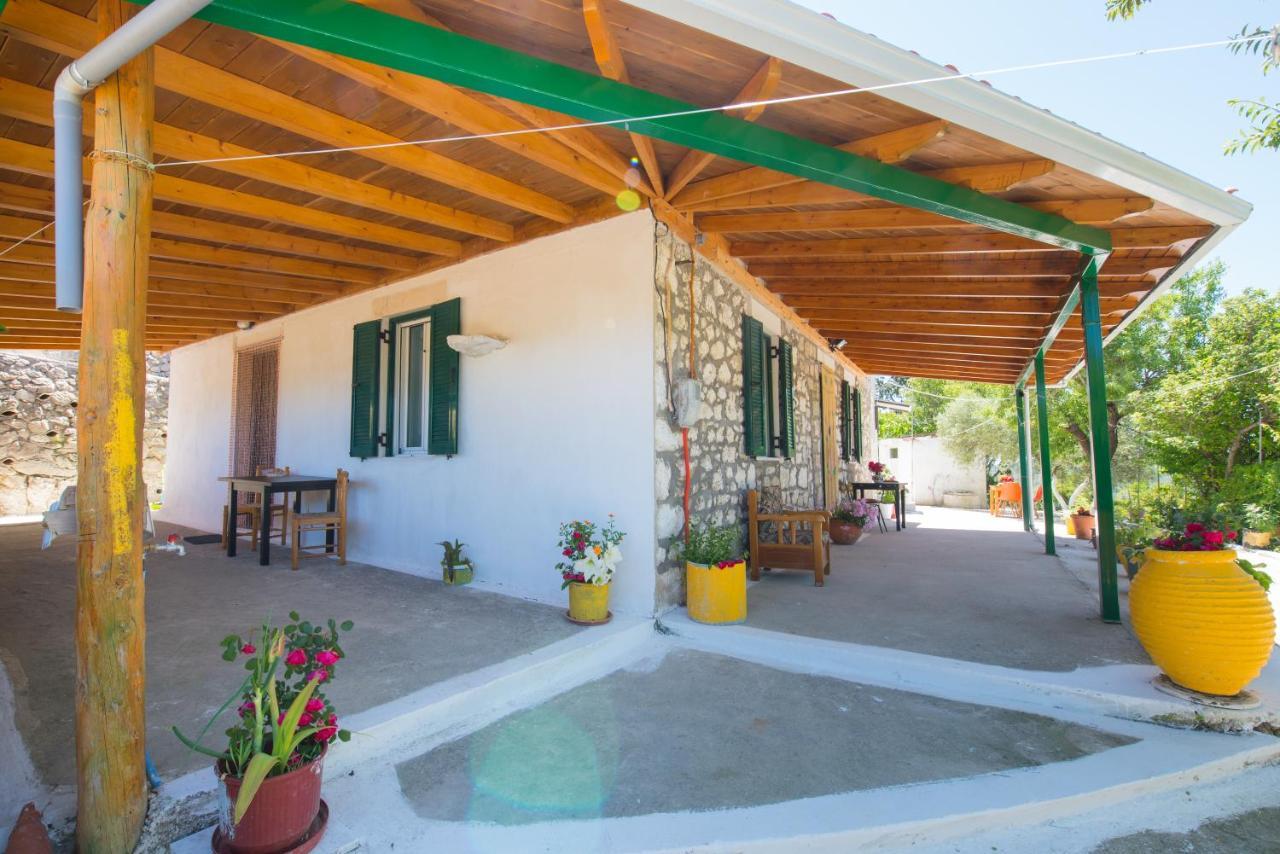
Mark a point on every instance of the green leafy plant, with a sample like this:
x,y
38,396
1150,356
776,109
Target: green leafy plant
x,y
453,554
285,721
712,546
1258,517
1255,569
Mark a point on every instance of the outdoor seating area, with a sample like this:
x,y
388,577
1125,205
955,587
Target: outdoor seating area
x,y
255,498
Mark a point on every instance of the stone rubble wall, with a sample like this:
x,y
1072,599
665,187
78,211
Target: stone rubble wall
x,y
722,472
38,428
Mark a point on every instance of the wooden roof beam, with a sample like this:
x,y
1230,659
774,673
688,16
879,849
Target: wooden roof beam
x,y
1035,266
760,87
1090,211
958,287
891,147
71,35
610,61
985,178
1047,304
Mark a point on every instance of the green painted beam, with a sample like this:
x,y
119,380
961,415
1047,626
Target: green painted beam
x,y
1024,459
1099,433
1046,462
355,31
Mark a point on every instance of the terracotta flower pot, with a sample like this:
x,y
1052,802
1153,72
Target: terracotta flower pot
x,y
1083,525
717,595
844,533
281,816
589,603
1257,539
1203,620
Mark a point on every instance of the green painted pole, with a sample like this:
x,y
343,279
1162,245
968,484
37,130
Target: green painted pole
x,y
1024,459
1046,464
1099,432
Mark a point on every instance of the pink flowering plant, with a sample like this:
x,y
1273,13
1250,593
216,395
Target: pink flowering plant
x,y
1196,537
855,511
284,718
590,552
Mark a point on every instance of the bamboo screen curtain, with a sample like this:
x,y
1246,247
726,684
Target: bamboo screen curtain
x,y
253,413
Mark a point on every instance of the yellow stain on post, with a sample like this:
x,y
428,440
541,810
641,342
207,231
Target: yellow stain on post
x,y
122,446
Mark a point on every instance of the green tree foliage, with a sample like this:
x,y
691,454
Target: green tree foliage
x,y
1262,115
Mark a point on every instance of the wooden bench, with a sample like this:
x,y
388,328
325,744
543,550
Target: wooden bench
x,y
785,549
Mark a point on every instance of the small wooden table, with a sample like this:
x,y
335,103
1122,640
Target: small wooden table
x,y
267,486
899,498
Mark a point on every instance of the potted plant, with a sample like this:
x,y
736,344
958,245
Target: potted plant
x,y
879,471
273,764
1202,615
456,569
1260,524
849,518
716,576
591,554
1082,523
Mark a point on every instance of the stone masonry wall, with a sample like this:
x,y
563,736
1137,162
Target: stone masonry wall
x,y
722,472
38,428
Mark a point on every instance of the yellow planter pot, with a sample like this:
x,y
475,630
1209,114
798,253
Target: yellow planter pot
x,y
1203,620
717,596
1071,526
588,603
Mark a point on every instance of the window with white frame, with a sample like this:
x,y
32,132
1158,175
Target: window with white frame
x,y
413,385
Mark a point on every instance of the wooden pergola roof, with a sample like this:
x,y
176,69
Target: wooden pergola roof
x,y
911,292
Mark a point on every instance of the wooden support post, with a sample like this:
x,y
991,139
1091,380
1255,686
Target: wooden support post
x,y
110,618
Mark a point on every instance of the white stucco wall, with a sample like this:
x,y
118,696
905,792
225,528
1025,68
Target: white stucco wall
x,y
557,426
931,471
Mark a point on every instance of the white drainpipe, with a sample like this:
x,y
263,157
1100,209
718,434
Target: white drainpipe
x,y
77,80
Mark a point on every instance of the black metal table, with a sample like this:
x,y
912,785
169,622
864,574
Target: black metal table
x,y
899,498
266,486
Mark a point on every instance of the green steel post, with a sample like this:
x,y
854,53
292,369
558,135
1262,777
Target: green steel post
x,y
359,32
1024,459
1046,464
1099,432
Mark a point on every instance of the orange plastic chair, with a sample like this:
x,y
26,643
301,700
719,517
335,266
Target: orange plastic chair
x,y
1009,495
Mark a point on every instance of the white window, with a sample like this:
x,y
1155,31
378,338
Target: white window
x,y
413,372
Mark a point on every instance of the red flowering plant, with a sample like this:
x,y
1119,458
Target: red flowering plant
x,y
877,467
591,552
1196,537
284,719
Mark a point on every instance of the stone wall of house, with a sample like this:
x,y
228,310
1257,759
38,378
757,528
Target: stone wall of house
x,y
722,472
38,428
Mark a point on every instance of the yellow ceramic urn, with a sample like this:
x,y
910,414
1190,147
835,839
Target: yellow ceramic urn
x,y
1204,621
589,603
717,595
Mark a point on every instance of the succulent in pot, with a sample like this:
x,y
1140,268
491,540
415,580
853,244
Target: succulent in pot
x,y
455,568
272,766
849,518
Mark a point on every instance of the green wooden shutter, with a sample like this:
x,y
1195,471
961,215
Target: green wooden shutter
x,y
786,400
366,350
846,421
442,437
857,424
754,366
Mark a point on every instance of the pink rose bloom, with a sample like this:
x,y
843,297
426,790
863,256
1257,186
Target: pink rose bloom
x,y
327,657
280,719
305,719
296,658
315,705
327,733
1213,538
1194,527
248,649
333,719
246,708
317,676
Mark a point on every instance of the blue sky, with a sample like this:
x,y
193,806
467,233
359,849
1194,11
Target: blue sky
x,y
1172,107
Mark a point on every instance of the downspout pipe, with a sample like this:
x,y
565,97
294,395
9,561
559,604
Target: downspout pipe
x,y
77,80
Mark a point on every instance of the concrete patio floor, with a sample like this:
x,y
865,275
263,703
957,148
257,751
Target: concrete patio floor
x,y
409,633
958,584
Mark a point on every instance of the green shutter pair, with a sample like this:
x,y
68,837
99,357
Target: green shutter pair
x,y
366,361
756,392
857,424
846,421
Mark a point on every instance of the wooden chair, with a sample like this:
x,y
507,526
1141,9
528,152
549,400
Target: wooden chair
x,y
326,520
784,550
279,511
247,510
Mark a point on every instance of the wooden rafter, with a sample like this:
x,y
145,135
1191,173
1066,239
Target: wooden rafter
x,y
760,87
958,287
71,35
1092,211
891,147
612,65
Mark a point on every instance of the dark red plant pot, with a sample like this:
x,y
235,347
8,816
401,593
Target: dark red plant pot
x,y
845,533
282,812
